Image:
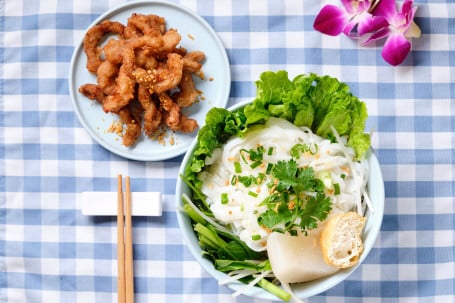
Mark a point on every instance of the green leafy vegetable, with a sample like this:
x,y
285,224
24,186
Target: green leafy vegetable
x,y
314,101
219,245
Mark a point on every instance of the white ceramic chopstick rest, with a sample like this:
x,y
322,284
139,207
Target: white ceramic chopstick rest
x,y
105,203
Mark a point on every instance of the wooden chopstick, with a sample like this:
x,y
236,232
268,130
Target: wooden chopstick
x,y
129,274
125,279
120,243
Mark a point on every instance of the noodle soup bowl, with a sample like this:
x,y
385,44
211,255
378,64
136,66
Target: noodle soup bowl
x,y
303,290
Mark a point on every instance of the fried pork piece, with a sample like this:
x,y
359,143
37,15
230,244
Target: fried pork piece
x,y
123,93
129,117
106,74
93,38
125,84
113,51
93,92
139,24
192,61
145,60
165,77
171,39
187,94
143,75
173,116
152,116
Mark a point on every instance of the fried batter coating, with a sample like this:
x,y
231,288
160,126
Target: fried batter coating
x,y
145,60
93,92
187,125
146,24
123,94
165,77
106,74
192,61
188,94
152,116
170,41
142,74
173,116
93,38
133,125
113,51
124,90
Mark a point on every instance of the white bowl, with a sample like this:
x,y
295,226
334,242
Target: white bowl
x,y
301,290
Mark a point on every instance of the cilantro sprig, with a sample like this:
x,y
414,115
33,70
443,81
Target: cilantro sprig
x,y
297,200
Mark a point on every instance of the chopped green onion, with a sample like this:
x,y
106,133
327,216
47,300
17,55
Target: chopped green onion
x,y
336,187
246,180
237,167
257,154
234,180
269,168
342,176
252,194
299,148
255,164
256,237
224,198
270,151
260,178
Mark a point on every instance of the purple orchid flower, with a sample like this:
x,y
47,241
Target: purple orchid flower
x,y
400,28
377,18
333,20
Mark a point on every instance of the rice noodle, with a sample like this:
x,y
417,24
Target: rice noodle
x,y
241,206
235,277
359,177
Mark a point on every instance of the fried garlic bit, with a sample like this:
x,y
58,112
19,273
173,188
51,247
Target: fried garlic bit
x,y
142,75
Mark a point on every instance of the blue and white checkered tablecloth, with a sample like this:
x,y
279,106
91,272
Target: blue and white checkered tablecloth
x,y
50,252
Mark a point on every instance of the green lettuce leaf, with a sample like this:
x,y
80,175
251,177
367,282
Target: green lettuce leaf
x,y
318,102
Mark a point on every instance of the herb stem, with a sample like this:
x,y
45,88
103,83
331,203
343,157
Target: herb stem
x,y
275,290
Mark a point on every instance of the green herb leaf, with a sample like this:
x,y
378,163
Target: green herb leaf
x,y
285,172
316,209
289,206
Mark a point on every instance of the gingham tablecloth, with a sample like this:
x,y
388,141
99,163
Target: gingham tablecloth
x,y
50,252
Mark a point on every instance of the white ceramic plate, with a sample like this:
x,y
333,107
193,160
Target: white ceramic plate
x,y
301,290
196,34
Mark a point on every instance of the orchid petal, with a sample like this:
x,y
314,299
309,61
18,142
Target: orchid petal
x,y
408,13
363,6
369,24
382,33
347,30
406,8
395,50
386,9
354,7
331,20
348,6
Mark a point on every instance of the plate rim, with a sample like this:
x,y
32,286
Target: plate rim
x,y
78,51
